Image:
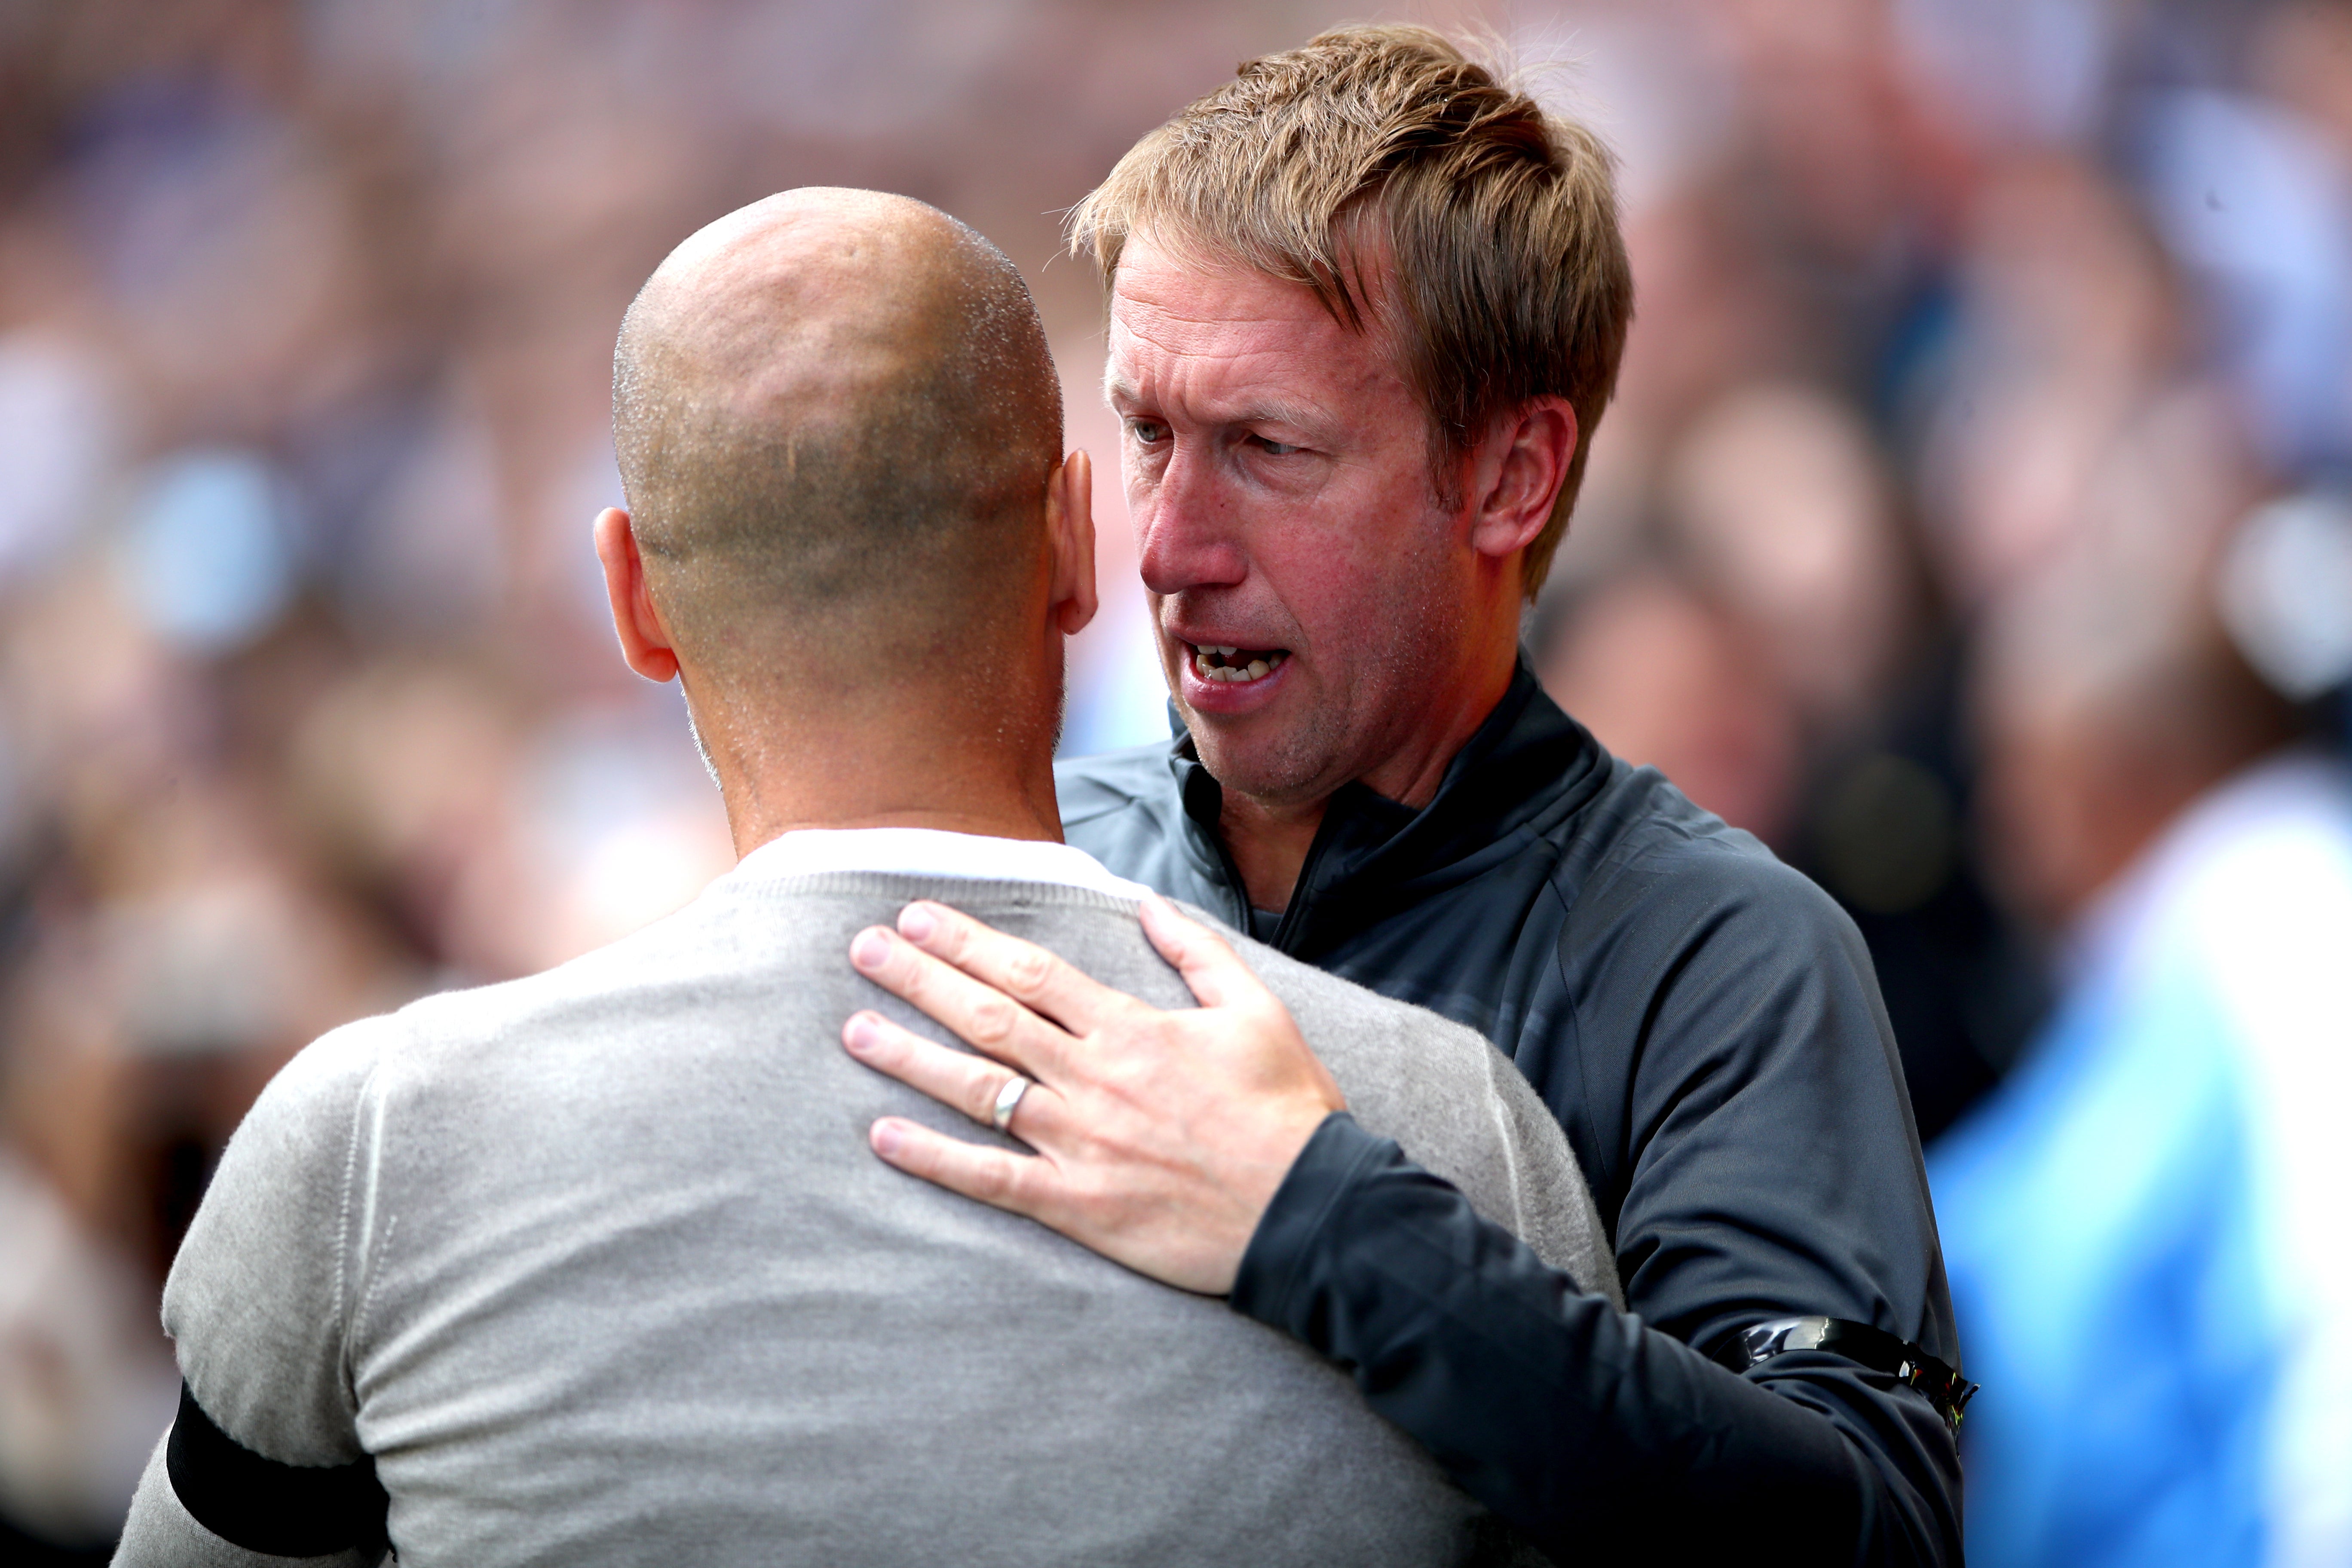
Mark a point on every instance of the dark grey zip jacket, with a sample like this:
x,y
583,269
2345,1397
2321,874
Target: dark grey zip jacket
x,y
1705,1024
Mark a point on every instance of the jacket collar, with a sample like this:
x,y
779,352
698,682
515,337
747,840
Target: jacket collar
x,y
1526,766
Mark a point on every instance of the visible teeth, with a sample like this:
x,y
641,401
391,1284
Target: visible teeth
x,y
1256,669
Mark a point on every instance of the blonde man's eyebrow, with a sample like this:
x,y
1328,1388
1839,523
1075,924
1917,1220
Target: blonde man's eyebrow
x,y
1117,387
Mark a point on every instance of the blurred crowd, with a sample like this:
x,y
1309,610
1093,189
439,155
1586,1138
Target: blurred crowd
x,y
1968,527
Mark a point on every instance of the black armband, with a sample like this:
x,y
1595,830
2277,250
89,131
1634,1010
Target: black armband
x,y
262,1505
1946,1389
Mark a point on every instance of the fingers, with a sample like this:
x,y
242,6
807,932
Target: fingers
x,y
984,1019
1022,1183
1021,970
1215,972
957,1079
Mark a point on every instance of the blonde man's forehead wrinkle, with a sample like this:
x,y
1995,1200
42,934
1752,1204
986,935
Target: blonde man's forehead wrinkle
x,y
1290,372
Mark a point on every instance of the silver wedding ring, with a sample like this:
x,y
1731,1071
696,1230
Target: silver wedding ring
x,y
1007,1099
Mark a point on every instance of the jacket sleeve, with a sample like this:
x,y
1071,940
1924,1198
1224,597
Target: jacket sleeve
x,y
1769,1170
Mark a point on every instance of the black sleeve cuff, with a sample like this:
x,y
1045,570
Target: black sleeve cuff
x,y
1274,1282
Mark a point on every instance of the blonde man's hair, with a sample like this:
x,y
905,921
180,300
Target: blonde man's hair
x,y
1507,277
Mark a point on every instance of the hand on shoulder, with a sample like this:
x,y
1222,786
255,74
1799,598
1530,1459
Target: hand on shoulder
x,y
1160,1136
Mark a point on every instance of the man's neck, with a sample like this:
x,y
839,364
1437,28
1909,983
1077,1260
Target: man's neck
x,y
1268,845
884,769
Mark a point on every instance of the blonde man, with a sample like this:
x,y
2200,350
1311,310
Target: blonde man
x,y
1367,304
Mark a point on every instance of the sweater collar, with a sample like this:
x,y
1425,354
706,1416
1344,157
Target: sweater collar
x,y
930,852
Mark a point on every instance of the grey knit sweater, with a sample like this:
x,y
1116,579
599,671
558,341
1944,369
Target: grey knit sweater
x,y
598,1268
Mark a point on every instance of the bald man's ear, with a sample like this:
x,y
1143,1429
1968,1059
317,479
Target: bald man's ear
x,y
643,643
1070,520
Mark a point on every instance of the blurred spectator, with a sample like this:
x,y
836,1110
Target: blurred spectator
x,y
1777,501
1664,680
2144,1230
2286,595
2054,415
58,431
85,1377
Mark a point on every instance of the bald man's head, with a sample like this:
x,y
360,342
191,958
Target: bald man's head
x,y
836,415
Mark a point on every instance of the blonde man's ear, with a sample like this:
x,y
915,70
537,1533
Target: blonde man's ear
x,y
1517,476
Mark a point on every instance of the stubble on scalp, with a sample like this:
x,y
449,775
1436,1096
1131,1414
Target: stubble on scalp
x,y
836,415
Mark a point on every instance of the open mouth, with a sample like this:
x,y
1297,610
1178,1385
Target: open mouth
x,y
1237,664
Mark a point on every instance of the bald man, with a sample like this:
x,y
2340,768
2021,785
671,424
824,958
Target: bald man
x,y
596,1266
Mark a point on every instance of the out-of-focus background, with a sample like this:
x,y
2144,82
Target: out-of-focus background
x,y
1966,527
